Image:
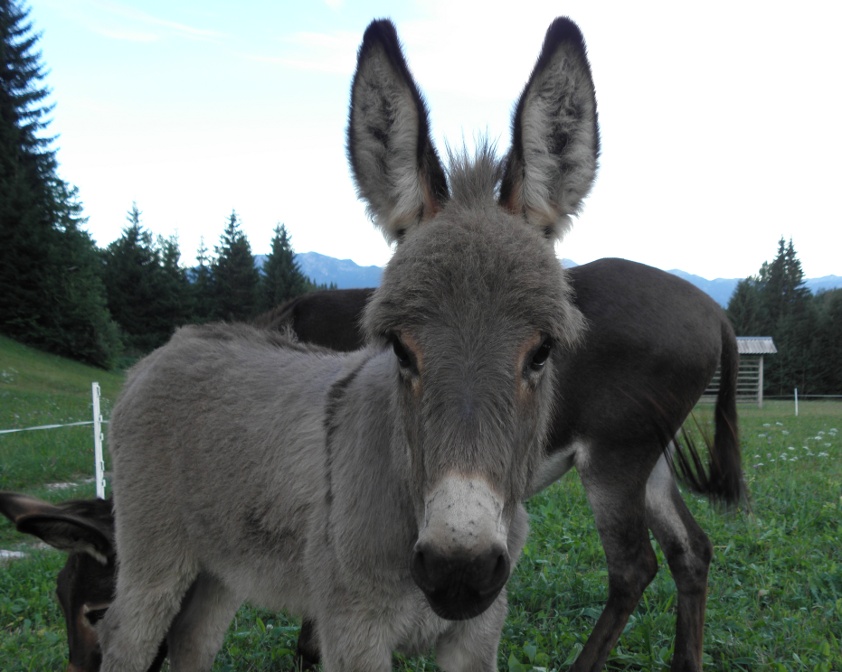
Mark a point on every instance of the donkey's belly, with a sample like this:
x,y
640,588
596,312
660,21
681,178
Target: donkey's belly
x,y
554,465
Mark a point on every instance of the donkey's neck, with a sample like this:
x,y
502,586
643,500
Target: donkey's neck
x,y
368,503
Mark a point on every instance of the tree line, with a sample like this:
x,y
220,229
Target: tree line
x,y
61,293
149,292
58,290
806,328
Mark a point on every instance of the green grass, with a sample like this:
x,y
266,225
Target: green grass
x,y
775,587
41,389
775,596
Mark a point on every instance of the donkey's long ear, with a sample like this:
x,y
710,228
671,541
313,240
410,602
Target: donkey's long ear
x,y
83,526
555,137
396,167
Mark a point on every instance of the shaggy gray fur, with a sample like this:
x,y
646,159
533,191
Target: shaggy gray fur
x,y
379,491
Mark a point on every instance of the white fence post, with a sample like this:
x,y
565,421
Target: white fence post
x,y
99,463
796,402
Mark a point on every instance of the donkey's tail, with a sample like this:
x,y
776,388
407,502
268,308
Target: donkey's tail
x,y
722,481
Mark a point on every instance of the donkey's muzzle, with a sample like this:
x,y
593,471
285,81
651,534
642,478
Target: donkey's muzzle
x,y
460,586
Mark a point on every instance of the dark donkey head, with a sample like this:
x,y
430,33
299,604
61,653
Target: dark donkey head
x,y
83,529
474,301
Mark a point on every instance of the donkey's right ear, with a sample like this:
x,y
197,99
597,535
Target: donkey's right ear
x,y
396,168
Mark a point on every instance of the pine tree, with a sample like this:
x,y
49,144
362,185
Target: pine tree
x,y
202,286
235,277
777,303
793,321
149,293
174,291
828,350
26,165
746,309
78,323
50,292
281,279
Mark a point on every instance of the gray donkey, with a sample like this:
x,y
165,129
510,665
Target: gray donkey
x,y
378,492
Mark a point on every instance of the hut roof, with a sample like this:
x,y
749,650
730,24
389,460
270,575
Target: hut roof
x,y
756,345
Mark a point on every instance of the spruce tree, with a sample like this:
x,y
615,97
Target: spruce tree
x,y
50,292
202,286
235,278
777,303
78,323
828,350
746,308
136,296
792,322
281,278
174,291
27,164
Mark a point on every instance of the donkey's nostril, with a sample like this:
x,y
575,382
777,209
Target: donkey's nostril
x,y
499,573
460,585
426,578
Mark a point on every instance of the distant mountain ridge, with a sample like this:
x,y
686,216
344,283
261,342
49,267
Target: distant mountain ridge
x,y
721,289
346,274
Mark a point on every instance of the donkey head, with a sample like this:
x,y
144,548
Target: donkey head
x,y
474,301
84,529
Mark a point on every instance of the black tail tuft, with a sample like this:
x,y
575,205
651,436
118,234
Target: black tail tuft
x,y
723,480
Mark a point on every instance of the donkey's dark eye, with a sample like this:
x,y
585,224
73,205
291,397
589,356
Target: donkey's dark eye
x,y
404,358
94,616
541,355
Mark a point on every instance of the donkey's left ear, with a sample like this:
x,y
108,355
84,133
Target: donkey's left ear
x,y
394,163
555,136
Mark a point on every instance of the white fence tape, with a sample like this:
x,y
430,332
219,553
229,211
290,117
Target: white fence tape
x,y
97,422
29,429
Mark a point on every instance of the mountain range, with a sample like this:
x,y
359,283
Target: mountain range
x,y
346,274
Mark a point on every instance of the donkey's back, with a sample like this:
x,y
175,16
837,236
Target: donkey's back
x,y
200,418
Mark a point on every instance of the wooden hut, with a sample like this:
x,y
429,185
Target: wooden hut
x,y
750,377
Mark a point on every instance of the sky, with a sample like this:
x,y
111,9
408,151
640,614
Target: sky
x,y
720,120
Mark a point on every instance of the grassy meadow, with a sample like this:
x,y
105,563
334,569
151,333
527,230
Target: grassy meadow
x,y
775,595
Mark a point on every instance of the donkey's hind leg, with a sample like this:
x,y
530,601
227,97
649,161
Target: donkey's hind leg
x,y
688,551
616,494
198,631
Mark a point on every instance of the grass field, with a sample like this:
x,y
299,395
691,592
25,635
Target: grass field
x,y
775,598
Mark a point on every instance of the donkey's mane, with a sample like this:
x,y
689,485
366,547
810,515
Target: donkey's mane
x,y
246,334
474,178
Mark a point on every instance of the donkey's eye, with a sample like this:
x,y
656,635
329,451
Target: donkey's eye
x,y
404,358
94,616
541,355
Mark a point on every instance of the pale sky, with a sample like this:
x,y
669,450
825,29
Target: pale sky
x,y
720,120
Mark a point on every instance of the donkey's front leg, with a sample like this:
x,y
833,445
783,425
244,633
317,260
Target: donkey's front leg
x,y
471,646
307,651
617,501
351,642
